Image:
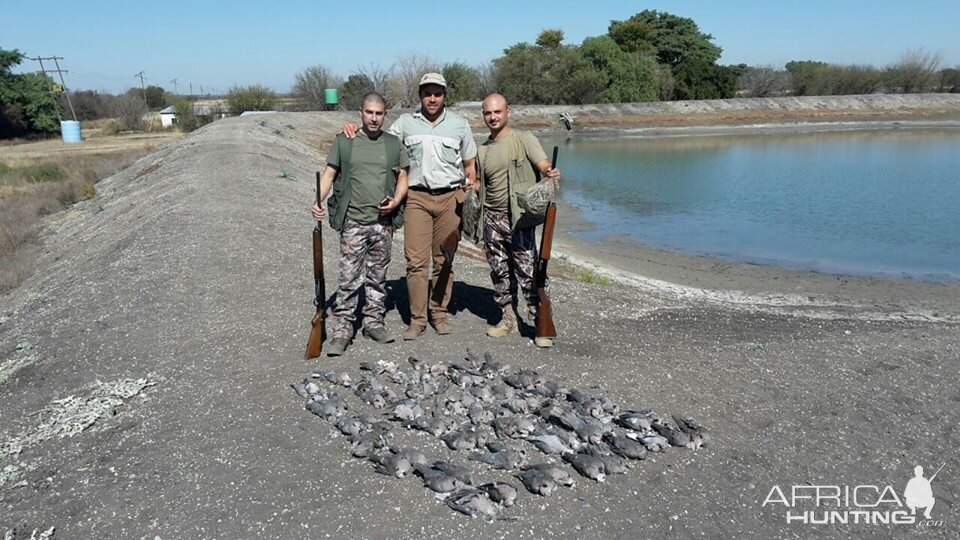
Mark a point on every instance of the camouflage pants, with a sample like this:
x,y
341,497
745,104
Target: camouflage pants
x,y
511,256
364,258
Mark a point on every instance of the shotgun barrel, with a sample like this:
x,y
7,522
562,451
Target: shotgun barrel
x,y
314,343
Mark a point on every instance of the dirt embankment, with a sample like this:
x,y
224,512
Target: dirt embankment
x,y
172,313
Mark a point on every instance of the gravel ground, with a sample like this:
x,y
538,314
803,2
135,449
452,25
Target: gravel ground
x,y
191,272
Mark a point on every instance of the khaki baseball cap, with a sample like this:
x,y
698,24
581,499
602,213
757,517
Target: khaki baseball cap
x,y
433,78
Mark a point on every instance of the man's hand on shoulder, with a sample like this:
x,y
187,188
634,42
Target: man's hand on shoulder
x,y
349,130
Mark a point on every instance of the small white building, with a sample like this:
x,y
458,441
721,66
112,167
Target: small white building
x,y
168,116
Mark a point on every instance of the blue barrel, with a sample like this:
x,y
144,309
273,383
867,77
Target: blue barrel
x,y
70,129
330,96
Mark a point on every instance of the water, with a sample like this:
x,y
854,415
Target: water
x,y
862,203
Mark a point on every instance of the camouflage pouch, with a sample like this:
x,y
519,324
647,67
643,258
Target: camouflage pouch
x,y
470,218
538,198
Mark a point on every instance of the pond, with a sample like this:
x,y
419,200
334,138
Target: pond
x,y
878,203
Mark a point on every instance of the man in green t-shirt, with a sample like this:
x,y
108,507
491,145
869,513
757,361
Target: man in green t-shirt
x,y
368,179
510,162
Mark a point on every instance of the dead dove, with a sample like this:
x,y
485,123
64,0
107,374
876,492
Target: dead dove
x,y
626,446
406,409
349,425
524,380
414,456
464,439
437,480
612,463
473,502
365,444
479,414
460,472
555,441
391,464
638,420
537,482
699,436
506,459
502,493
674,435
543,478
587,465
655,443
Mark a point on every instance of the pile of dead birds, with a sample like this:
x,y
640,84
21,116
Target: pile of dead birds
x,y
493,415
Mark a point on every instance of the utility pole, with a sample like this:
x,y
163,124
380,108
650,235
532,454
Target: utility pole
x,y
63,83
191,90
174,86
143,88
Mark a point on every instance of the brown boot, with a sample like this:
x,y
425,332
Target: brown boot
x,y
507,324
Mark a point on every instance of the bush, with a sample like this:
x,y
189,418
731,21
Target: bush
x,y
241,99
47,171
129,109
186,118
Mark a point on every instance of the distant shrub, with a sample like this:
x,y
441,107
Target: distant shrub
x,y
47,171
4,168
241,99
112,127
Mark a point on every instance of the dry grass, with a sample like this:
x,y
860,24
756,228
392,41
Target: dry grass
x,y
32,189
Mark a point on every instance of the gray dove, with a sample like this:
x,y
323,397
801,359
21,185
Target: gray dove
x,y
391,464
587,465
626,446
473,502
502,493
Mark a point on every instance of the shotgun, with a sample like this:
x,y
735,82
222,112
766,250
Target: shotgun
x,y
314,344
543,322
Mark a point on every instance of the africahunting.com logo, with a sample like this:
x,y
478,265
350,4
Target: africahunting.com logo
x,y
860,504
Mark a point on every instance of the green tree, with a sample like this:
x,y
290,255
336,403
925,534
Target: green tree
x,y
352,91
27,101
950,80
699,79
673,39
463,82
547,73
807,77
251,98
627,77
187,119
156,97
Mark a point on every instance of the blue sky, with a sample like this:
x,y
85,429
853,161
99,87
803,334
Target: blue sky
x,y
220,44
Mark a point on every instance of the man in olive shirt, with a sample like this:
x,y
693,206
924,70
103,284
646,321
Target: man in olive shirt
x,y
368,177
510,162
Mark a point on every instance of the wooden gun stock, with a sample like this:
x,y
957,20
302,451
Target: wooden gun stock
x,y
314,344
543,322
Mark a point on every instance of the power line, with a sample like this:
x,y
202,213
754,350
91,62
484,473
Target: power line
x,y
63,83
142,87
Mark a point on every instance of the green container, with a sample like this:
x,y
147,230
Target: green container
x,y
330,96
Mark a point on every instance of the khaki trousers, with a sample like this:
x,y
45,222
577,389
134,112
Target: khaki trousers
x,y
430,221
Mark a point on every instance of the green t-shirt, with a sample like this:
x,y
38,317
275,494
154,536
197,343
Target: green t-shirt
x,y
367,189
496,165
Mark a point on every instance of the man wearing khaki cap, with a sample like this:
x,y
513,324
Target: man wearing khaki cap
x,y
442,156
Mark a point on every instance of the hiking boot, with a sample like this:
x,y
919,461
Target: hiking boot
x,y
504,327
378,334
337,346
543,342
413,332
442,327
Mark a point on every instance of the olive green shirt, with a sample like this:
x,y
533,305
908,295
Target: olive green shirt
x,y
496,166
367,158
